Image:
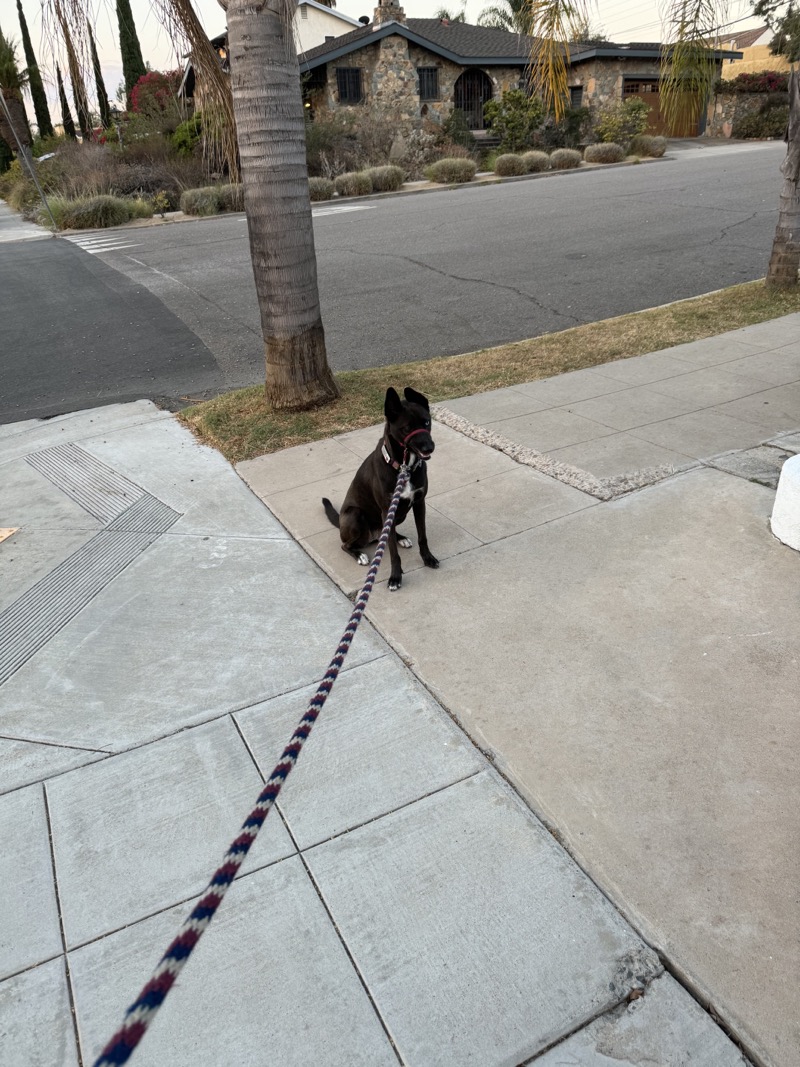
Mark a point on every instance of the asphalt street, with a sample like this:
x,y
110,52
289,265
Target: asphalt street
x,y
401,278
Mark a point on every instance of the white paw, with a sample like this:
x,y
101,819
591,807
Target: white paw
x,y
405,542
363,559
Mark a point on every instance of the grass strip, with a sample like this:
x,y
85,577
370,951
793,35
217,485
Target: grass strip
x,y
241,425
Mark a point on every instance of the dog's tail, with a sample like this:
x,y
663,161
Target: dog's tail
x,y
331,512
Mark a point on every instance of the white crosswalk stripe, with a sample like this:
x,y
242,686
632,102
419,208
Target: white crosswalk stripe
x,y
338,209
98,243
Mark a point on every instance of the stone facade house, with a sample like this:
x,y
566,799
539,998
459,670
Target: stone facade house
x,y
421,69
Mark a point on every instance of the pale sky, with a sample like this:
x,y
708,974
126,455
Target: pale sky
x,y
621,21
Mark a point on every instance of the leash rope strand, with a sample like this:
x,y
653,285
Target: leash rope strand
x,y
143,1010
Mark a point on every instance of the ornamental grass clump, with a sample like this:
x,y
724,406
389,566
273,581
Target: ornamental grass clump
x,y
645,145
355,183
535,162
451,171
230,197
565,159
321,188
386,179
94,212
604,153
509,165
203,201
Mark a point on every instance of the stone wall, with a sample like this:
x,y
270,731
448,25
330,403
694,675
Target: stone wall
x,y
602,79
726,108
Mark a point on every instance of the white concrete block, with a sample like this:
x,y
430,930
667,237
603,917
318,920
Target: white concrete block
x,y
786,512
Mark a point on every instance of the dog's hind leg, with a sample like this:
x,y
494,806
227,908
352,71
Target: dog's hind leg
x,y
355,535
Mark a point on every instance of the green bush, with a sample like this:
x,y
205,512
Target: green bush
x,y
188,135
321,188
509,165
764,125
140,208
89,213
645,145
622,121
608,152
514,118
386,179
456,129
572,129
204,201
355,183
230,197
536,161
451,171
565,159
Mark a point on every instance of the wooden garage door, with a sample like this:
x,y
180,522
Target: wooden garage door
x,y
647,89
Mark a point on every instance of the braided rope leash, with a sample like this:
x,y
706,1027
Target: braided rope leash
x,y
143,1010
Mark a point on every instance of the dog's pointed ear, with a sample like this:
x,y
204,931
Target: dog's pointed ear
x,y
413,397
393,405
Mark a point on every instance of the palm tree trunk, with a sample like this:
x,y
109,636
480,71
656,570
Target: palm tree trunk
x,y
267,102
784,263
19,123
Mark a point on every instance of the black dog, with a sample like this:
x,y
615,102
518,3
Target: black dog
x,y
406,438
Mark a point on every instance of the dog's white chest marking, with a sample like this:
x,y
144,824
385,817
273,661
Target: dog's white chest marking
x,y
409,492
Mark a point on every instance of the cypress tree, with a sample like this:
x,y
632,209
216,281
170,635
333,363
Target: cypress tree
x,y
38,95
66,117
102,95
132,63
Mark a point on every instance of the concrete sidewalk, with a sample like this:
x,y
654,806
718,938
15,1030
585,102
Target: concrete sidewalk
x,y
161,632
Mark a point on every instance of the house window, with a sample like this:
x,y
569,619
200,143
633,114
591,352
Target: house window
x,y
642,85
348,82
303,11
428,83
575,95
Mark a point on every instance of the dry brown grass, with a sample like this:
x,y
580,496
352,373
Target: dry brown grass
x,y
241,425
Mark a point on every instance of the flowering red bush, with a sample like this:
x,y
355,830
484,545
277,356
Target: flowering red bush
x,y
155,92
765,81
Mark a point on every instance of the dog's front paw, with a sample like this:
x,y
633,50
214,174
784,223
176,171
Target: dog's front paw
x,y
363,559
405,542
395,583
430,560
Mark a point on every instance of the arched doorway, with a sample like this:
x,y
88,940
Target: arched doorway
x,y
472,90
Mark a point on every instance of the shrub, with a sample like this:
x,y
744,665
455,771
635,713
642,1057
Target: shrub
x,y
188,135
509,165
608,152
514,118
536,161
88,213
622,121
204,201
321,188
154,98
764,125
386,179
565,159
572,129
161,203
645,145
451,171
764,81
456,129
140,208
230,197
355,183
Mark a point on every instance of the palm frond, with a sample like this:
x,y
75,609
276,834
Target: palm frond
x,y
688,68
553,24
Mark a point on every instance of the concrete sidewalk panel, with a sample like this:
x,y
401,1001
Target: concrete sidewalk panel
x,y
495,404
709,387
777,366
30,500
509,502
140,831
705,433
459,461
619,454
300,509
549,429
29,931
193,628
565,389
634,669
300,465
479,939
361,442
646,369
36,1027
777,409
665,1028
380,743
24,763
167,460
637,406
268,983
715,351
769,334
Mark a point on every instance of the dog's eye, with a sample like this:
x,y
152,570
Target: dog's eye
x,y
427,424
